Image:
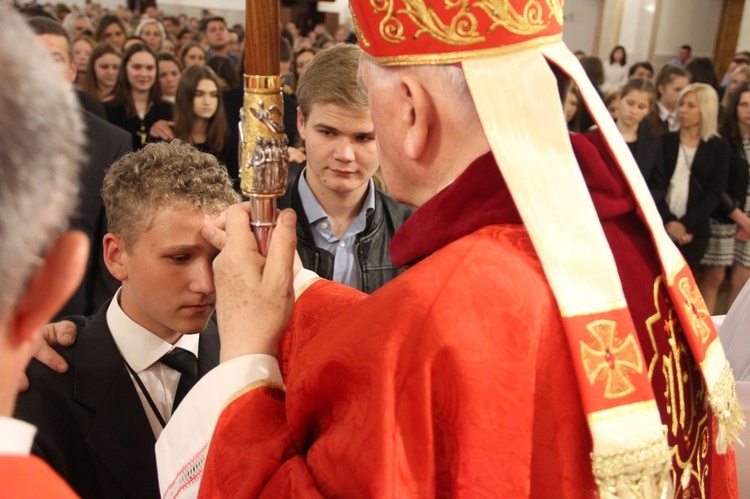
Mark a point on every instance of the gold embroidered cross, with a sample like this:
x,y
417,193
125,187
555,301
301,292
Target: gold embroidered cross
x,y
611,358
696,309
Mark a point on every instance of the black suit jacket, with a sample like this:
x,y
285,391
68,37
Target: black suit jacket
x,y
92,427
648,155
105,143
708,180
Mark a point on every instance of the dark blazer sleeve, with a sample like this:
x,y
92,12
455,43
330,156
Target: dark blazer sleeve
x,y
708,180
736,192
660,182
105,143
650,160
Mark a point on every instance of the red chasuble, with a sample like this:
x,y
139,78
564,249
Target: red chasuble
x,y
29,477
455,379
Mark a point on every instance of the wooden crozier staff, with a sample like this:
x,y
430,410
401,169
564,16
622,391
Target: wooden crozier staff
x,y
263,149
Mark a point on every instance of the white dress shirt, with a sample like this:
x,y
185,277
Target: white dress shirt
x,y
16,437
182,447
679,184
142,350
669,116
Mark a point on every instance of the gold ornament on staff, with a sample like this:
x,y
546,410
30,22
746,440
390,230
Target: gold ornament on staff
x,y
263,147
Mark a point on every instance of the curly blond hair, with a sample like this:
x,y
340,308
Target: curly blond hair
x,y
143,182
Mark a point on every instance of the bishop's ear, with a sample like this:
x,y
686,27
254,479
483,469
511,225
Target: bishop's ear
x,y
51,286
417,116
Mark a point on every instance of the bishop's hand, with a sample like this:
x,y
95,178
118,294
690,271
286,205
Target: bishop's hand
x,y
254,295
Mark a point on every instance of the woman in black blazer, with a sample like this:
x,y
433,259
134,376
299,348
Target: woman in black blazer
x,y
730,224
637,100
696,167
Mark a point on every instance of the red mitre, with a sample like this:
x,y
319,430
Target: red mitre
x,y
425,32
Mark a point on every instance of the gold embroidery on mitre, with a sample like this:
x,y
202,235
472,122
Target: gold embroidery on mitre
x,y
462,28
696,309
503,14
609,357
357,30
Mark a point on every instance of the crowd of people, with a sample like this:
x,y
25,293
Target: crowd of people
x,y
459,338
688,133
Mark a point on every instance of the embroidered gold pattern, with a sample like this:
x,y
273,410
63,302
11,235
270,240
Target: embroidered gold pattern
x,y
681,399
556,10
503,14
608,357
357,30
696,309
462,28
642,471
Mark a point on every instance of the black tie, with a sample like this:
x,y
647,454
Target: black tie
x,y
183,362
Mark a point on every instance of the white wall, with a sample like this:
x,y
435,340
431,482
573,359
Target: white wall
x,y
636,28
695,22
743,41
580,17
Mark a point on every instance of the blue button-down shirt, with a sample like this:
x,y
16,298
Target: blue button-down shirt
x,y
345,268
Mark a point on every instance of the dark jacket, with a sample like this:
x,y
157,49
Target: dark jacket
x,y
648,155
92,428
138,128
370,248
105,143
709,175
739,176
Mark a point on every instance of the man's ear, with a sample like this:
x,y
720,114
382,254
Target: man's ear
x,y
417,116
115,256
51,285
301,123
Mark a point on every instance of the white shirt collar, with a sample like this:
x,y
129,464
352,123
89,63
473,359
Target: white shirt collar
x,y
16,437
138,346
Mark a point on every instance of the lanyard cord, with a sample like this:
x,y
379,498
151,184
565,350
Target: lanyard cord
x,y
147,395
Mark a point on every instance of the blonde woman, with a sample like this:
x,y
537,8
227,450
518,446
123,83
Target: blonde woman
x,y
696,166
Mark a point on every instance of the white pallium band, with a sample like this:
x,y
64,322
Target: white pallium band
x,y
182,447
548,188
546,182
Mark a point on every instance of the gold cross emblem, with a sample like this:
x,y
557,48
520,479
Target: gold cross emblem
x,y
607,357
696,309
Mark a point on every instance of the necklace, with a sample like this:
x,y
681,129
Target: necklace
x,y
688,154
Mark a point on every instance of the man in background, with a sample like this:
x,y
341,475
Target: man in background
x,y
345,224
104,144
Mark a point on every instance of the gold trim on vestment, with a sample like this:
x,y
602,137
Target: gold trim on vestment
x,y
261,383
454,57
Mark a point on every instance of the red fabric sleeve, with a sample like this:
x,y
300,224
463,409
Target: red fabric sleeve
x,y
257,455
30,477
437,385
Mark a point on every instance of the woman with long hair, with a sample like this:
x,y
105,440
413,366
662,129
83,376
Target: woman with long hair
x,y
102,70
730,224
170,71
192,53
573,109
616,70
696,167
199,117
113,30
83,46
137,103
637,100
